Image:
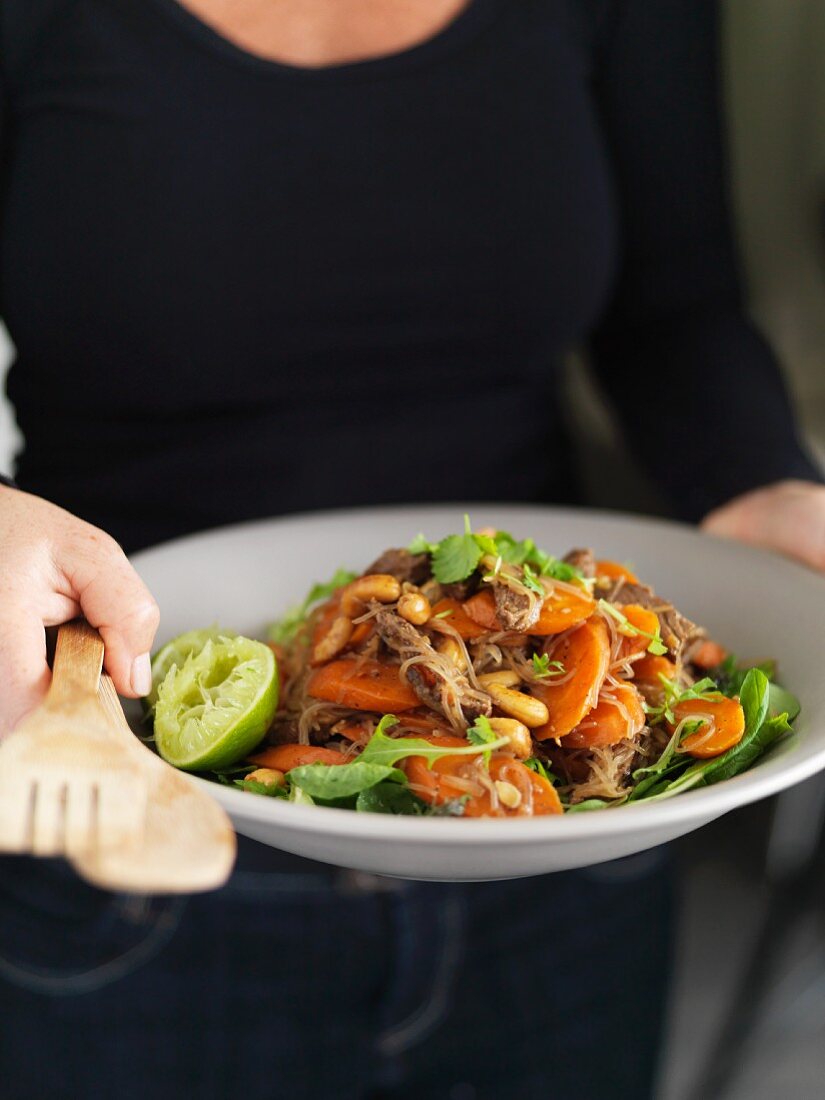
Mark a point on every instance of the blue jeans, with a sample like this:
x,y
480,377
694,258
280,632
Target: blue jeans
x,y
318,985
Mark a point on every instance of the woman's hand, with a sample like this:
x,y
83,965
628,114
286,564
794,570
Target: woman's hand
x,y
54,567
788,516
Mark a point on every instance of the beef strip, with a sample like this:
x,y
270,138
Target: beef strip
x,y
402,565
427,681
582,559
515,610
679,634
461,590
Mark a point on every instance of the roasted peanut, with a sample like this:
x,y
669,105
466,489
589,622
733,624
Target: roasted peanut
x,y
507,677
532,712
382,587
509,795
415,608
516,733
268,777
333,641
448,647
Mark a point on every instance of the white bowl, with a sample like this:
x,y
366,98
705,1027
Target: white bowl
x,y
757,604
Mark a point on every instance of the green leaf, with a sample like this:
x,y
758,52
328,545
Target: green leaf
x,y
330,781
455,558
535,765
544,667
390,798
272,790
594,804
284,630
782,701
300,796
526,552
482,733
530,580
760,733
420,545
381,749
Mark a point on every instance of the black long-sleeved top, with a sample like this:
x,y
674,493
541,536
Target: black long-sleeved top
x,y
239,288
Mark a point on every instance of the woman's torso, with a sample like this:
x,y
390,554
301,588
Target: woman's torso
x,y
255,288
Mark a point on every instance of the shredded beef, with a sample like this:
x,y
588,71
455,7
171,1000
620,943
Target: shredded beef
x,y
515,610
582,559
679,634
402,565
426,680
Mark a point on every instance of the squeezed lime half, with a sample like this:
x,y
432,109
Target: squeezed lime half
x,y
175,653
215,707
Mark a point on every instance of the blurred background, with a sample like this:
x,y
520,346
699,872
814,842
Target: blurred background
x,y
761,865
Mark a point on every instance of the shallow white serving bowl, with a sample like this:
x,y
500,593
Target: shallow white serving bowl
x,y
757,604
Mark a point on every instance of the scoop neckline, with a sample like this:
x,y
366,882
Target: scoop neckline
x,y
470,20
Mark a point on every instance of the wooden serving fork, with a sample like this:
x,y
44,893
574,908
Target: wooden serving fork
x,y
67,783
189,843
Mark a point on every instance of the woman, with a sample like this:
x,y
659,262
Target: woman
x,y
264,256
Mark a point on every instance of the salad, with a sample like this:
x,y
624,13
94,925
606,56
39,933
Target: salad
x,y
476,676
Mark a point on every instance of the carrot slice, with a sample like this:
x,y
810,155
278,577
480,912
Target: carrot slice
x,y
616,571
561,610
433,784
708,655
728,720
286,757
605,724
585,652
649,668
481,609
458,618
643,619
364,684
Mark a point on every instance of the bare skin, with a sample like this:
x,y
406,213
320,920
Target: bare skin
x,y
54,566
316,33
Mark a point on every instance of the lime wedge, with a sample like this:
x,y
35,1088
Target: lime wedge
x,y
215,708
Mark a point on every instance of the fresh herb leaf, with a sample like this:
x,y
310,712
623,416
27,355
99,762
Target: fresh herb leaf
x,y
332,781
656,645
284,630
457,556
782,701
420,545
535,765
482,733
525,552
543,667
531,581
674,694
381,749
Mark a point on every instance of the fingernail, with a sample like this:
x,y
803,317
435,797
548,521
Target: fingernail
x,y
142,675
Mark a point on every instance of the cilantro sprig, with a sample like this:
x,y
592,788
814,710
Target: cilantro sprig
x,y
656,646
703,690
543,667
482,733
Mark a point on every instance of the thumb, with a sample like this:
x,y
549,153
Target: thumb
x,y
116,601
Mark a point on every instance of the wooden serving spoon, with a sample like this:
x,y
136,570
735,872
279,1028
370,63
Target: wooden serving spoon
x,y
188,843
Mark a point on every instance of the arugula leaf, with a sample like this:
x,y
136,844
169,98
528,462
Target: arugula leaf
x,y
390,798
330,781
300,796
544,667
284,630
656,645
381,749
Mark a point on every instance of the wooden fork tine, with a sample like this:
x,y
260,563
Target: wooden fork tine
x,y
47,816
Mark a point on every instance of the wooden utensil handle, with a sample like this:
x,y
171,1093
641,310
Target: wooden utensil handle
x,y
78,659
